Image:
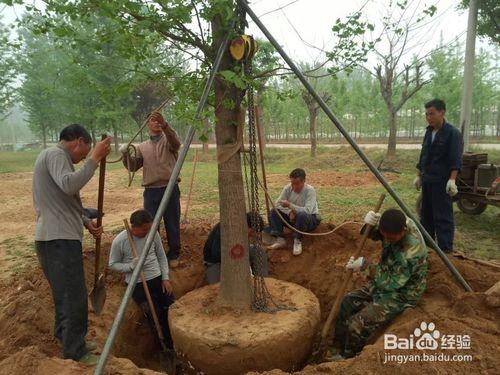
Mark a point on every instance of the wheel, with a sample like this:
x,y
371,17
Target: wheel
x,y
418,205
471,207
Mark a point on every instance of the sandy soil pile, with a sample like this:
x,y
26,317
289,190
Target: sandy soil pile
x,y
26,312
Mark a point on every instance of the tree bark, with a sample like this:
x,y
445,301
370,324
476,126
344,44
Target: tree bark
x,y
206,125
313,117
44,136
391,146
115,138
235,285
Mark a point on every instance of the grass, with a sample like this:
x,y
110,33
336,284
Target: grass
x,y
477,236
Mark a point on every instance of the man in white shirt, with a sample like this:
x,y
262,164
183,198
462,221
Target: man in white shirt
x,y
298,206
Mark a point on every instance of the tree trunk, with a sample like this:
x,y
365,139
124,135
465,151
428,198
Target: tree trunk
x,y
235,285
115,138
259,118
94,139
44,136
206,125
391,147
313,117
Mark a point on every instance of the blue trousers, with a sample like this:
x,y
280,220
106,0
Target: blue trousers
x,y
303,221
62,264
437,213
171,216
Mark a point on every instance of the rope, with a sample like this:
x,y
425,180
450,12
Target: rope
x,y
144,123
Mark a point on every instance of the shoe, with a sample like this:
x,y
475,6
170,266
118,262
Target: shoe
x,y
297,247
174,263
90,345
278,244
89,359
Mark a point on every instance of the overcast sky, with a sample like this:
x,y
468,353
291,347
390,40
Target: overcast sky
x,y
303,27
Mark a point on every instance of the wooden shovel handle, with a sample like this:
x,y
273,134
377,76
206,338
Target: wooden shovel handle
x,y
100,207
146,289
348,276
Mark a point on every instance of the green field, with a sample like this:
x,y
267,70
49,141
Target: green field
x,y
477,236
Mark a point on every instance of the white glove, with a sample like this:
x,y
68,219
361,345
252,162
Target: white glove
x,y
355,265
372,218
417,182
123,149
451,188
133,264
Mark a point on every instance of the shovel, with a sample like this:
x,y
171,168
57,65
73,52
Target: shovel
x,y
319,354
98,293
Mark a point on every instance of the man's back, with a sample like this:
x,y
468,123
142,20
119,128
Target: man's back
x,y
56,196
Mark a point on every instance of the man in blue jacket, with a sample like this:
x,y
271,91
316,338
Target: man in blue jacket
x,y
439,163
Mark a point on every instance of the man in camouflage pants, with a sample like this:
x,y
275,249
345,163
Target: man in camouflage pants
x,y
395,283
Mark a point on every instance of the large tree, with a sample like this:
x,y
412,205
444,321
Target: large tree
x,y
196,28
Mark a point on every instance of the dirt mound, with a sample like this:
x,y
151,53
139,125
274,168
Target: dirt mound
x,y
26,311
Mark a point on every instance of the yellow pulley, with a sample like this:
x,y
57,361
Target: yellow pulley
x,y
243,47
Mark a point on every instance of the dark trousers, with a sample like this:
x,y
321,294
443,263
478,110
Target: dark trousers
x,y
303,221
359,317
161,301
437,213
171,216
62,264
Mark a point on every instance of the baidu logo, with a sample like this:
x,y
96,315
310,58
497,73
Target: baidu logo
x,y
427,336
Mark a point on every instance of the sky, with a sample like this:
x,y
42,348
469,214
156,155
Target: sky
x,y
303,27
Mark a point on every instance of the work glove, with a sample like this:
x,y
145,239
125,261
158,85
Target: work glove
x,y
372,218
417,182
123,149
451,188
133,264
355,265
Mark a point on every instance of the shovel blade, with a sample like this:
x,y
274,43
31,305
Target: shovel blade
x,y
98,295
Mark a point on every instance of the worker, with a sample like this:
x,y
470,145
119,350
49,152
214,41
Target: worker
x,y
297,205
439,163
59,233
155,269
395,283
157,157
212,251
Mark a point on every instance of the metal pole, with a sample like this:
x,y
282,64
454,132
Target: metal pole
x,y
354,145
161,209
470,47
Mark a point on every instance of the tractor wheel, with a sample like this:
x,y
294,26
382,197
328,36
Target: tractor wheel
x,y
471,207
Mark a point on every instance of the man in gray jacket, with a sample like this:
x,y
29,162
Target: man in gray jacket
x,y
155,269
297,206
59,232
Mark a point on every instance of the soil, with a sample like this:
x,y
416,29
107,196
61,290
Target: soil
x,y
26,310
222,341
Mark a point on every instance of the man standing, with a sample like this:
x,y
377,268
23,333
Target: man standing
x,y
439,163
298,206
396,282
59,233
157,157
155,269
